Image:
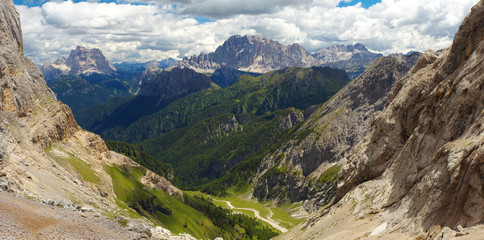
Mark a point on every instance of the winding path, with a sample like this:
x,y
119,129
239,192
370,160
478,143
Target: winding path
x,y
273,223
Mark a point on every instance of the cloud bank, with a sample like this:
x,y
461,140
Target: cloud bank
x,y
160,29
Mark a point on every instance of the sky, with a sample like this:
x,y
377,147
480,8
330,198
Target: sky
x,y
143,30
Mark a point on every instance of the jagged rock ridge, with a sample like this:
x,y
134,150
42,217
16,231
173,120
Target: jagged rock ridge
x,y
252,54
80,61
420,169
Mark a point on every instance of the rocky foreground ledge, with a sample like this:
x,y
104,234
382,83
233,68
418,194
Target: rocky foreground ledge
x,y
25,217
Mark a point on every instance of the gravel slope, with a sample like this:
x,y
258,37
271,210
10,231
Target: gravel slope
x,y
28,219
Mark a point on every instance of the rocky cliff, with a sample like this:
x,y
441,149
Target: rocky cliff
x,y
329,134
45,155
80,61
420,171
251,54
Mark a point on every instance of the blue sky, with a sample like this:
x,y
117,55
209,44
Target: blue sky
x,y
142,30
31,3
365,3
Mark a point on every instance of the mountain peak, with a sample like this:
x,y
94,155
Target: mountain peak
x,y
360,46
80,61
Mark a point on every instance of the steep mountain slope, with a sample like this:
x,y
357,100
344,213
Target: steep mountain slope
x,y
329,134
252,54
80,61
420,169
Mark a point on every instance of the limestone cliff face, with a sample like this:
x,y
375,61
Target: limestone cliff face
x,y
39,137
328,135
425,151
421,168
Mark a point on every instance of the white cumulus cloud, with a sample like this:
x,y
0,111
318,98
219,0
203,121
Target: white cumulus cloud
x,y
161,29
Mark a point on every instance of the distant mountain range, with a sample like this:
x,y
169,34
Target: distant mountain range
x,y
142,66
260,55
87,78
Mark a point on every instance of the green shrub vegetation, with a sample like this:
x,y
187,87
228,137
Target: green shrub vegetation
x,y
330,175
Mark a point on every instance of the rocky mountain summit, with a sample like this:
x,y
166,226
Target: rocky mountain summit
x,y
327,136
420,170
80,61
253,53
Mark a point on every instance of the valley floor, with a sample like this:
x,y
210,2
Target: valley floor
x,y
270,221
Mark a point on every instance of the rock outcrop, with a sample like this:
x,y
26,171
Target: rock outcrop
x,y
251,54
420,170
328,135
80,61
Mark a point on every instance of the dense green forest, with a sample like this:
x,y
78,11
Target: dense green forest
x,y
217,134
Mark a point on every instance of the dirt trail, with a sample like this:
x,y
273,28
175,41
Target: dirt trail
x,y
273,223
